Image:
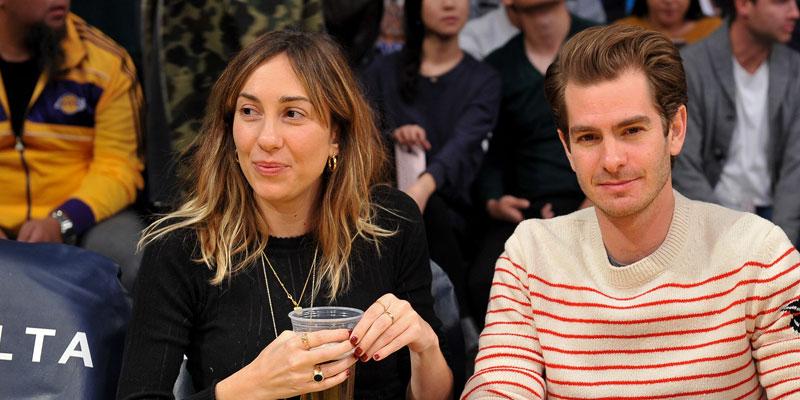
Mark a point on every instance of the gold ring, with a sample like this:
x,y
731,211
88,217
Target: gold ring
x,y
304,339
382,305
389,314
318,377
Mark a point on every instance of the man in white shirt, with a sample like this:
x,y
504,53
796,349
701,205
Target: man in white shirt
x,y
743,136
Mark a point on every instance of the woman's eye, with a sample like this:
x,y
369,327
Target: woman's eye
x,y
247,111
294,114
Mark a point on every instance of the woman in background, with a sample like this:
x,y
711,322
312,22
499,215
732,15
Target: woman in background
x,y
681,20
285,213
436,99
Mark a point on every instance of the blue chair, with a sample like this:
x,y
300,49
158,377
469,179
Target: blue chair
x,y
63,316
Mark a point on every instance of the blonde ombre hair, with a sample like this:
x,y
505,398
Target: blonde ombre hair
x,y
221,206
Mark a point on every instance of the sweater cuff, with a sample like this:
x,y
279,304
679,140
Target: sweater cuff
x,y
437,172
80,214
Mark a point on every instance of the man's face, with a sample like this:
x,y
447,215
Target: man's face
x,y
769,20
52,13
617,145
537,15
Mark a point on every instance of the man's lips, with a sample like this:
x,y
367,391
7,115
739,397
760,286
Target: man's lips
x,y
620,183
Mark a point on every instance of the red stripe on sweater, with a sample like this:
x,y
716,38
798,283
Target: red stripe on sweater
x,y
782,381
655,381
500,346
503,310
496,393
782,395
510,334
666,318
511,355
501,296
782,367
778,354
641,335
757,386
498,269
665,396
644,351
657,288
506,323
665,301
466,396
646,366
509,286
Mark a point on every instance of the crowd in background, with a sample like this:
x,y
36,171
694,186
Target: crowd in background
x,y
456,84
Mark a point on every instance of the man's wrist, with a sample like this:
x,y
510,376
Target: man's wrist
x,y
66,226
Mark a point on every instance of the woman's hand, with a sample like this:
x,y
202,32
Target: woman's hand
x,y
285,368
388,325
422,190
410,136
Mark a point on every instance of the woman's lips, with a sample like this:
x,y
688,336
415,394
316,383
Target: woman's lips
x,y
270,168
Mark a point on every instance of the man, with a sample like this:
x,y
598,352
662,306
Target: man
x,y
493,29
525,173
69,120
743,143
648,294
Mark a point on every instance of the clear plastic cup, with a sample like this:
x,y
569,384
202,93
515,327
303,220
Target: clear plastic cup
x,y
328,317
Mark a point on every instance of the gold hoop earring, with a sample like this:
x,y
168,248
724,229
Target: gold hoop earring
x,y
332,160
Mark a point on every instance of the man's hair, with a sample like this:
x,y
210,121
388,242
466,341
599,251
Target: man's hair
x,y
603,53
44,43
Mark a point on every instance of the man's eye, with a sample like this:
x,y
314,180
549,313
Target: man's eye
x,y
633,130
586,138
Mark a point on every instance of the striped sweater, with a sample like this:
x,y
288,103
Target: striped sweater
x,y
708,315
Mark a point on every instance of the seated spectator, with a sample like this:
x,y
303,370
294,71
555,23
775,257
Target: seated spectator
x,y
439,100
285,201
525,173
682,21
69,131
483,35
647,295
743,137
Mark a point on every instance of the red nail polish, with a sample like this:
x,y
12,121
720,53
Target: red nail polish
x,y
347,372
353,340
376,357
364,358
358,352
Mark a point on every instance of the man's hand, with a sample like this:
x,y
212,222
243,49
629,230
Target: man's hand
x,y
422,190
40,230
507,208
547,211
411,135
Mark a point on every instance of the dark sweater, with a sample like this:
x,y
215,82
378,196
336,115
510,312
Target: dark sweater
x,y
223,328
525,157
457,110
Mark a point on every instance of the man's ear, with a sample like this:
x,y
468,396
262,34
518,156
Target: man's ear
x,y
565,144
677,131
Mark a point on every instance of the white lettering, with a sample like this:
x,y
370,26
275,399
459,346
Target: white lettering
x,y
39,342
71,351
4,356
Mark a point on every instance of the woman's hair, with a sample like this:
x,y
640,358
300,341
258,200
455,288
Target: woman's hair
x,y
221,206
693,13
411,54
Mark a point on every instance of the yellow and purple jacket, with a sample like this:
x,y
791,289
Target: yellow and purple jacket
x,y
78,148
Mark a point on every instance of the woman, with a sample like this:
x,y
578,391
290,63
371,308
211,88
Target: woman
x,y
681,20
284,214
438,99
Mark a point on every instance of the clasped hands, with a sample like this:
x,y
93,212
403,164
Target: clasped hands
x,y
287,366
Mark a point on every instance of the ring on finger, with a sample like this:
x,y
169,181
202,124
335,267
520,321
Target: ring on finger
x,y
318,376
304,339
389,315
382,305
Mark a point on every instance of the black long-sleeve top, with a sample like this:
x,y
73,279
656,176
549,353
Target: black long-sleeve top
x,y
457,110
222,328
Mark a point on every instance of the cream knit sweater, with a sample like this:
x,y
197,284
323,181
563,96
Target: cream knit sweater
x,y
701,317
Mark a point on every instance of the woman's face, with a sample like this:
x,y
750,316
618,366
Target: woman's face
x,y
667,12
445,17
281,143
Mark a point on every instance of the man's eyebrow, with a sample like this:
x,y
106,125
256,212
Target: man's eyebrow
x,y
638,119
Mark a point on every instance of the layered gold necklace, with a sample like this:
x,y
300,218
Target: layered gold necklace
x,y
312,275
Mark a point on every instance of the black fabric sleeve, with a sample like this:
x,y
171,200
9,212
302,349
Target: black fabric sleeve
x,y
168,294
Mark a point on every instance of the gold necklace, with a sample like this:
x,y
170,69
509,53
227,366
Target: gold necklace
x,y
311,272
269,296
